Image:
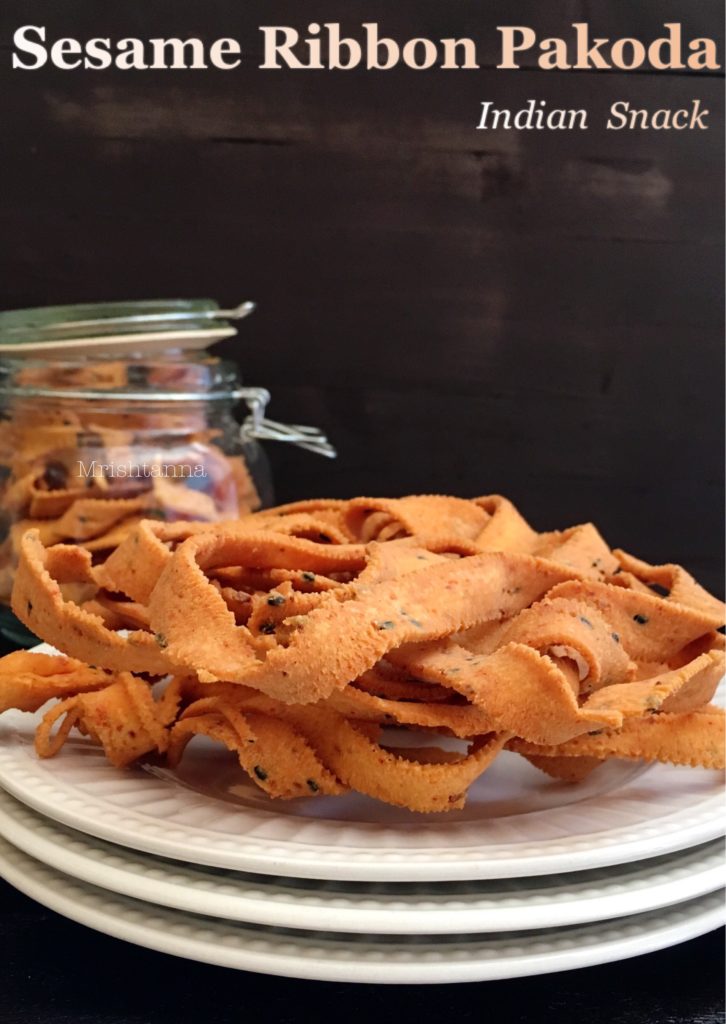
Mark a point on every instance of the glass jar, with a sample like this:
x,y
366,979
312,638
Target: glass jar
x,y
111,413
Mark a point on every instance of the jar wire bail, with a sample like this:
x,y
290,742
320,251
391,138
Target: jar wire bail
x,y
256,425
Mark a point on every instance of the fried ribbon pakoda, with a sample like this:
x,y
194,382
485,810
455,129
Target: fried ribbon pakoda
x,y
389,646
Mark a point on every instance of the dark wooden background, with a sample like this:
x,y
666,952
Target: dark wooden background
x,y
538,314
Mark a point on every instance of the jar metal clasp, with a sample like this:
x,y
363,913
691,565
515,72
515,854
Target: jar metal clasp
x,y
258,426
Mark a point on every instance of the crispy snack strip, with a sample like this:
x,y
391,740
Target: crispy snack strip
x,y
263,580
345,752
134,568
118,614
90,517
106,542
274,755
516,673
489,523
695,738
123,718
520,690
505,529
681,689
338,640
431,518
391,684
294,645
460,720
393,777
183,502
322,527
322,521
45,504
39,604
184,587
329,511
316,506
677,584
581,548
28,679
380,562
136,564
547,712
564,769
649,628
562,628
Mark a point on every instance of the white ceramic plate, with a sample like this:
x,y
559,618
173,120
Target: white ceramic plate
x,y
426,908
327,956
517,821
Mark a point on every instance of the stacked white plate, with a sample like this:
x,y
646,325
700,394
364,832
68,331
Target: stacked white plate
x,y
533,876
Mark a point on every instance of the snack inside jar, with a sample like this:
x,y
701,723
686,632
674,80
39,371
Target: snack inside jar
x,y
113,413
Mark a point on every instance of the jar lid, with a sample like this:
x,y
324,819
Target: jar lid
x,y
106,327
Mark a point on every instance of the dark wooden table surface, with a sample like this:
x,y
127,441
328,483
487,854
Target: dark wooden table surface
x,y
538,314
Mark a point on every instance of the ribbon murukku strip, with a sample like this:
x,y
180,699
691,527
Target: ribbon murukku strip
x,y
392,777
333,507
336,506
531,696
117,614
52,504
649,628
460,720
106,542
268,610
677,585
338,640
385,681
563,628
272,752
388,615
123,718
424,779
682,689
505,529
429,517
39,603
134,567
90,517
243,577
520,690
181,502
184,589
329,512
694,738
374,564
28,679
47,742
580,548
316,526
564,769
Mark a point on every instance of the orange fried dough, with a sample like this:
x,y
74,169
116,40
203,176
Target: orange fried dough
x,y
334,645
